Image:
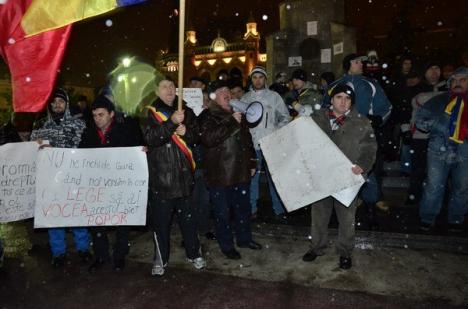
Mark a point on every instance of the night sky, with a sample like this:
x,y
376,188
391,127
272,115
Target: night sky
x,y
96,45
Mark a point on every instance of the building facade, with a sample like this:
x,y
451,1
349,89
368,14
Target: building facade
x,y
235,58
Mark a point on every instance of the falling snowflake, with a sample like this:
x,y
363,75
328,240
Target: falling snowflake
x,y
265,17
384,66
439,23
237,14
28,79
288,7
11,41
411,197
317,106
109,23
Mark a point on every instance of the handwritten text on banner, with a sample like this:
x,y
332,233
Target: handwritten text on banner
x,y
91,187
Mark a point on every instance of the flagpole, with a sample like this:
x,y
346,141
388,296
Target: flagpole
x,y
181,53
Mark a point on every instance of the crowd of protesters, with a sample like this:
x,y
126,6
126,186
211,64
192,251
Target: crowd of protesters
x,y
418,116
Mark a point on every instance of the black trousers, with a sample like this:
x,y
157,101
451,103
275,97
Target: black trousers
x,y
101,242
161,212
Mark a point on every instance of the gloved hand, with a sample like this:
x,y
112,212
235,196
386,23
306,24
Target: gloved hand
x,y
376,120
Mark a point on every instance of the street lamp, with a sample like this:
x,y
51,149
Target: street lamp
x,y
126,62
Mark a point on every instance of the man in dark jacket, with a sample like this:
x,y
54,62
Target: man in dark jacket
x,y
229,162
104,131
353,135
171,168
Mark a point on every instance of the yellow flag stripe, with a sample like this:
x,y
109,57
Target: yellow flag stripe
x,y
44,15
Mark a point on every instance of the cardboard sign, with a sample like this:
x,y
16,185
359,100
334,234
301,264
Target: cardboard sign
x,y
91,187
194,99
17,180
306,166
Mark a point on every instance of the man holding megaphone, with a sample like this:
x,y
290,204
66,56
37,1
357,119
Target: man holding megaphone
x,y
229,161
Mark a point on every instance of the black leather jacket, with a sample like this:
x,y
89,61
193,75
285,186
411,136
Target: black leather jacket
x,y
170,173
229,154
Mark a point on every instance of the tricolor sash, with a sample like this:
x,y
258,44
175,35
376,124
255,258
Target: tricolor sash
x,y
161,117
458,127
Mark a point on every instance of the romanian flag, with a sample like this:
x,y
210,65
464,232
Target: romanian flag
x,y
34,61
458,111
45,15
33,39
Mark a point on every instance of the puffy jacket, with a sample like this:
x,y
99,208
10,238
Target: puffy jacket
x,y
355,138
170,172
275,113
431,117
370,97
228,150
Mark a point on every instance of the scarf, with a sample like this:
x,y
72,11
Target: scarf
x,y
336,122
457,109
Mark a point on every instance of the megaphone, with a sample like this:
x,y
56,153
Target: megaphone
x,y
253,111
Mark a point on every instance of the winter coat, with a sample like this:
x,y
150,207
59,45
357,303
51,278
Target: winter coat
x,y
417,102
228,149
121,134
369,96
63,133
275,113
170,172
307,97
355,138
431,118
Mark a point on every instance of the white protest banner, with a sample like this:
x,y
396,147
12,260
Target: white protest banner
x,y
91,187
17,180
306,166
194,99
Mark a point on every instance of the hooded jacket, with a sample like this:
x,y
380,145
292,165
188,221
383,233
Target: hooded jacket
x,y
171,175
63,133
275,113
228,150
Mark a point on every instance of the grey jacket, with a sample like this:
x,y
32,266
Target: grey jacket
x,y
275,113
355,138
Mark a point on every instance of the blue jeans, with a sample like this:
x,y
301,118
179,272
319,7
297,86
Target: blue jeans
x,y
58,244
231,200
278,207
439,169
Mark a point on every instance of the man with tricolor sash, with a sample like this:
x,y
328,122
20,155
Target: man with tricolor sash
x,y
171,166
445,117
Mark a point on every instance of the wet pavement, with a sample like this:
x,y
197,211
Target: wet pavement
x,y
395,266
275,277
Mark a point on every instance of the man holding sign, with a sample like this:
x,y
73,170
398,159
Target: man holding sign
x,y
353,135
171,167
64,131
106,132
